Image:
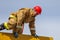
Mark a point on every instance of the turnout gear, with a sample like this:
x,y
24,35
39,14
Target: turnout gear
x,y
26,15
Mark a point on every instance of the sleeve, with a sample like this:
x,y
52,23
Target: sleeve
x,y
32,27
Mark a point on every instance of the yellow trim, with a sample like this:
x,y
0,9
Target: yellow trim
x,y
5,25
12,16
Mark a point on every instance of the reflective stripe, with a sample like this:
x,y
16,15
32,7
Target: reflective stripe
x,y
12,16
32,28
5,25
19,27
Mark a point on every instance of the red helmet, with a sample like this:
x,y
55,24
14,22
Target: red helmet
x,y
37,9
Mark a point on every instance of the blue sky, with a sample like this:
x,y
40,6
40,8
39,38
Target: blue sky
x,y
47,24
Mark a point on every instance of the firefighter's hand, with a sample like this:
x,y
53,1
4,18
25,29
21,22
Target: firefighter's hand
x,y
35,35
15,34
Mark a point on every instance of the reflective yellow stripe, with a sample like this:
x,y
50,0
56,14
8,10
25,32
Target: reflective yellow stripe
x,y
5,25
32,28
12,16
19,27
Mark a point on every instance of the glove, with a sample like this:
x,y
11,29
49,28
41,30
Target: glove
x,y
15,34
36,36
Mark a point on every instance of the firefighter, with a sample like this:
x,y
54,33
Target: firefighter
x,y
27,15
